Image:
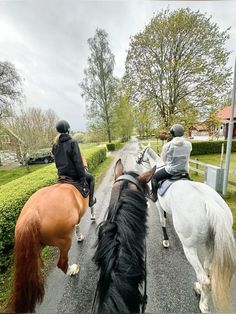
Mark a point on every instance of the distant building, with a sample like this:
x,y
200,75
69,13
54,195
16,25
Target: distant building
x,y
10,146
198,130
224,116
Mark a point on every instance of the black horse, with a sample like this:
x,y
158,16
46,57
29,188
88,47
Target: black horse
x,y
120,252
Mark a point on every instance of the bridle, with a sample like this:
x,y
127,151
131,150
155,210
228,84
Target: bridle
x,y
140,159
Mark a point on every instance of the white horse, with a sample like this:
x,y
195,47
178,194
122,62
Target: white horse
x,y
203,222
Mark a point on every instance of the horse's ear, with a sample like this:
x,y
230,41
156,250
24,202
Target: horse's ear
x,y
146,176
119,168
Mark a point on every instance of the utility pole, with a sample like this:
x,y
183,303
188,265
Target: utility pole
x,y
230,135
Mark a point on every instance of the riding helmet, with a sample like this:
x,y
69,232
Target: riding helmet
x,y
177,130
63,126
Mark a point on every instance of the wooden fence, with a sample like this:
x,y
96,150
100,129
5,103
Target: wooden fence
x,y
197,170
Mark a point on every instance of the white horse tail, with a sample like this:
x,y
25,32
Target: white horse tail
x,y
224,253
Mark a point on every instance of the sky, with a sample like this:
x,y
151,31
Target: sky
x,y
46,40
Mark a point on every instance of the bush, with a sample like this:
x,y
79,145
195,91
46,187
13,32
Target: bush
x,y
114,146
14,194
111,146
211,147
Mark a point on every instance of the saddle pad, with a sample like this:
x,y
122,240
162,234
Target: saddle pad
x,y
164,185
84,190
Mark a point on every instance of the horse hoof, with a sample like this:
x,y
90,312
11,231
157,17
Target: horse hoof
x,y
166,243
80,238
93,217
204,308
73,270
197,288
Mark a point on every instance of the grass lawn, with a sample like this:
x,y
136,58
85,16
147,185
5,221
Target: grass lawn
x,y
214,159
9,174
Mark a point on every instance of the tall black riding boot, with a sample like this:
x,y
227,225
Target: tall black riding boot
x,y
92,200
154,190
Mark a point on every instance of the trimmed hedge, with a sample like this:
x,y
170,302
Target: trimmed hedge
x,y
210,147
114,146
14,194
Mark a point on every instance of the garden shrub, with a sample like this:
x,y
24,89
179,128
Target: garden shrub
x,y
210,147
14,194
114,146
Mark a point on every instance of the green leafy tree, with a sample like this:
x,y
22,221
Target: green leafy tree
x,y
99,85
180,57
212,123
10,88
123,118
143,119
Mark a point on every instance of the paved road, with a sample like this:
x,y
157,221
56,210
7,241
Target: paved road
x,y
170,277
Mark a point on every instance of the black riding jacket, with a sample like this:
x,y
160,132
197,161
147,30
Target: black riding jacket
x,y
68,158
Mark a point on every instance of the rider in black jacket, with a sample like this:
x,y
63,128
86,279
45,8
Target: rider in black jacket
x,y
68,159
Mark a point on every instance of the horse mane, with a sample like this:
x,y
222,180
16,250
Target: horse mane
x,y
120,254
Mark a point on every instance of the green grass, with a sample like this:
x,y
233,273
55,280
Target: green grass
x,y
9,174
100,171
214,159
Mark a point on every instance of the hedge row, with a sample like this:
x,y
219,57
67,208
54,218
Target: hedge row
x,y
14,194
210,147
114,146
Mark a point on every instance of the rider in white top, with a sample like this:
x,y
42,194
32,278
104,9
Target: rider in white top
x,y
176,155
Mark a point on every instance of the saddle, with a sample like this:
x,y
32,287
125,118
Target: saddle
x,y
164,185
83,189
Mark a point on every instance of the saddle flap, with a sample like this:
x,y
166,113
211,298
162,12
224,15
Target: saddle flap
x,y
164,185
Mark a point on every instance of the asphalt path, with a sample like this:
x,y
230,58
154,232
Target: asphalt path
x,y
170,277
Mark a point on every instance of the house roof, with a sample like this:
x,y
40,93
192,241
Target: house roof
x,y
199,127
224,114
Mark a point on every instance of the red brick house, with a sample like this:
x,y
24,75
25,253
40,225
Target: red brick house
x,y
224,116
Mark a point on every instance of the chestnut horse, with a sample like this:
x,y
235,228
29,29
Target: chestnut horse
x,y
47,218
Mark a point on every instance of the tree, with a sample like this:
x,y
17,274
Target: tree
x,y
123,118
99,85
35,127
179,58
212,123
143,119
10,88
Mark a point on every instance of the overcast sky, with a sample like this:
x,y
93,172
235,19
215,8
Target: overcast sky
x,y
47,42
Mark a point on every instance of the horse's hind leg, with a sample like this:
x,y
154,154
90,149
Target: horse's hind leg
x,y
63,259
78,234
203,285
162,215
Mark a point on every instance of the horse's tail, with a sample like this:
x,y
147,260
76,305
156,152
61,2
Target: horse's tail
x,y
28,282
224,253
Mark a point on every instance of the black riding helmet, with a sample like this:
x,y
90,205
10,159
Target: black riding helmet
x,y
63,126
177,130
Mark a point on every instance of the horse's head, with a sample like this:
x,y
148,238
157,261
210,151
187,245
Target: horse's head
x,y
141,156
149,156
131,179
